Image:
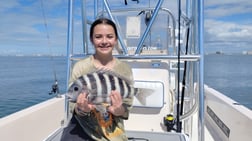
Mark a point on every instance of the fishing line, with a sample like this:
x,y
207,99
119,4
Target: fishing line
x,y
55,89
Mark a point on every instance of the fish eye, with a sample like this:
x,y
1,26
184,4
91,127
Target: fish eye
x,y
76,88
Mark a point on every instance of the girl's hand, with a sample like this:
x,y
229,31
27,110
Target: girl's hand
x,y
82,104
116,108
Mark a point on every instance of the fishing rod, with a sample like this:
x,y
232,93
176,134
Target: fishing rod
x,y
55,87
178,123
184,74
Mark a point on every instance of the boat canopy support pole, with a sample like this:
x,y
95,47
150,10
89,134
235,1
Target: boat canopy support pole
x,y
200,34
69,48
119,35
140,44
84,26
173,27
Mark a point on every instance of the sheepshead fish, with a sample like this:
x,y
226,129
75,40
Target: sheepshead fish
x,y
99,84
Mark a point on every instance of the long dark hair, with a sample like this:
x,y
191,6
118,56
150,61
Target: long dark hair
x,y
102,21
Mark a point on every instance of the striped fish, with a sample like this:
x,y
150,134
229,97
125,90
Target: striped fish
x,y
98,85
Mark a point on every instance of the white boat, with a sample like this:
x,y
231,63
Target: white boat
x,y
181,107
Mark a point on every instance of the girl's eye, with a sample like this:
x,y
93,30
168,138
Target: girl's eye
x,y
107,36
110,36
98,36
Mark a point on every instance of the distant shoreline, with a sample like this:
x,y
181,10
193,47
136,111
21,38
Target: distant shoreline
x,y
32,55
61,55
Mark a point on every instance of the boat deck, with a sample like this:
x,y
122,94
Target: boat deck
x,y
138,136
41,122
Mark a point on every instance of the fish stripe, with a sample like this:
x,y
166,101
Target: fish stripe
x,y
83,81
104,85
98,84
130,90
93,86
112,82
117,85
120,83
87,82
125,88
108,84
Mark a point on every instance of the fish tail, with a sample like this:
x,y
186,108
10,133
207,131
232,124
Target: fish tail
x,y
142,94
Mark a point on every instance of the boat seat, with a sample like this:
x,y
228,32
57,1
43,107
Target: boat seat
x,y
155,99
150,115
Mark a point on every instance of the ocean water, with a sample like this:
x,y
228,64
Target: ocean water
x,y
26,81
231,75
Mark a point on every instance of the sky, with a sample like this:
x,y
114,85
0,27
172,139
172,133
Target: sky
x,y
30,27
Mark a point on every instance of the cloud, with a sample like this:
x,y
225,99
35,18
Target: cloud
x,y
227,24
229,10
222,30
23,25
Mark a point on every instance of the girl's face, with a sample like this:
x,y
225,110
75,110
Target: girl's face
x,y
104,39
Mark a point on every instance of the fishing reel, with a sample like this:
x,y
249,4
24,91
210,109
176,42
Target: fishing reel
x,y
126,3
148,15
55,89
169,122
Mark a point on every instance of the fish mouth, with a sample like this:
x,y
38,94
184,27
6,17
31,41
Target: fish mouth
x,y
69,96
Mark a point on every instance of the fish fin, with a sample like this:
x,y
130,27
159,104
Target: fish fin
x,y
113,73
100,108
142,94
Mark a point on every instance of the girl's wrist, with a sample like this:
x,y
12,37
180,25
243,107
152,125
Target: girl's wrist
x,y
81,112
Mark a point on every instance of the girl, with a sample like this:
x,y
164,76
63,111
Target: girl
x,y
86,123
